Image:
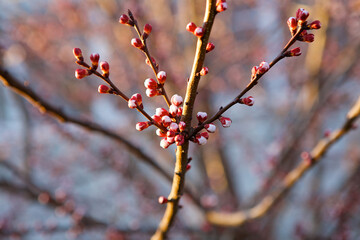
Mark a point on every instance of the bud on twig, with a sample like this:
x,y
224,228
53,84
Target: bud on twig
x,y
225,121
105,68
204,71
94,58
103,89
162,200
201,116
209,47
78,54
211,128
191,27
199,32
161,76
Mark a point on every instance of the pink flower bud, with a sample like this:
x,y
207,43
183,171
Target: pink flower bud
x,y
132,104
174,127
199,32
161,112
254,71
151,92
295,52
170,134
315,25
105,67
201,116
164,143
309,38
302,14
249,101
292,23
182,126
142,125
201,140
124,19
150,83
136,42
137,97
161,76
147,29
191,27
176,100
211,128
171,140
204,71
225,121
148,62
179,140
160,133
205,135
81,73
180,110
222,6
188,167
78,54
103,89
173,110
162,200
156,119
166,121
94,58
263,67
209,47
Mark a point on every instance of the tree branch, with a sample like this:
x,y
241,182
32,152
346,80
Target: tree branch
x,y
241,217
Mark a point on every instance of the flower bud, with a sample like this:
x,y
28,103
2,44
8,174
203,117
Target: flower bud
x,y
147,29
199,32
174,127
179,140
295,52
150,83
161,76
309,38
204,71
170,140
162,200
81,73
166,121
201,116
205,135
164,143
180,110
254,71
182,126
142,125
188,167
156,119
78,54
136,42
137,97
170,134
199,139
105,68
176,100
249,101
160,133
151,92
191,27
148,62
263,67
132,103
124,19
173,110
292,23
225,121
103,89
211,128
209,47
94,58
315,25
221,6
302,15
161,112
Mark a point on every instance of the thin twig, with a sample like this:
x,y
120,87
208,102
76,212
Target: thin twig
x,y
240,217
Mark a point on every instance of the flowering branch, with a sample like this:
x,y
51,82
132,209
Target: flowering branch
x,y
309,160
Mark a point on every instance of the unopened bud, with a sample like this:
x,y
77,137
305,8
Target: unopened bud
x,y
211,128
302,15
78,54
209,47
147,29
161,76
150,83
249,101
162,200
179,140
263,67
201,116
204,71
124,19
176,100
105,68
166,121
315,25
94,58
142,125
173,110
103,89
199,32
81,73
151,92
221,6
191,27
136,42
225,121
161,112
182,126
164,143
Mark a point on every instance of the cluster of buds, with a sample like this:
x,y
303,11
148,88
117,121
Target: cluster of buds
x,y
135,101
259,70
221,5
249,101
153,88
169,119
300,21
94,58
197,31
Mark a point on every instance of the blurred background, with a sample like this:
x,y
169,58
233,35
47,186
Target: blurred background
x,y
60,181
